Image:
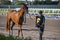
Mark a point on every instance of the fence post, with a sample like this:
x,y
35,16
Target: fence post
x,y
9,7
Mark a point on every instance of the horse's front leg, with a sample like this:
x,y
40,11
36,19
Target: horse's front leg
x,y
20,30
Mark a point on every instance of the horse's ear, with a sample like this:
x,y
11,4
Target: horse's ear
x,y
24,4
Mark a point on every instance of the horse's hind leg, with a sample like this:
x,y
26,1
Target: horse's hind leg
x,y
8,26
11,26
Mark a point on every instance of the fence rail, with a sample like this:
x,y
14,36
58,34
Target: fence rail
x,y
32,6
46,11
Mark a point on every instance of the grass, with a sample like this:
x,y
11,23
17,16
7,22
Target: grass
x,y
3,37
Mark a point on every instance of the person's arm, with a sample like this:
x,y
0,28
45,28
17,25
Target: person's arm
x,y
33,17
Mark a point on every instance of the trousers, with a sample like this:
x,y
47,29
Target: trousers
x,y
41,31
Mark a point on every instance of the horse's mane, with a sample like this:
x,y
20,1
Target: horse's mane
x,y
20,9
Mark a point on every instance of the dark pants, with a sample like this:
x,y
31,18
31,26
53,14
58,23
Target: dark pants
x,y
41,30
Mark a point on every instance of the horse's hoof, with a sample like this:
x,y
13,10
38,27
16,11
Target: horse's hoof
x,y
17,37
22,37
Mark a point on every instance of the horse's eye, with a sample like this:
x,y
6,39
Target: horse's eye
x,y
27,7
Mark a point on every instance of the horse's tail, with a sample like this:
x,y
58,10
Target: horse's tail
x,y
7,26
7,23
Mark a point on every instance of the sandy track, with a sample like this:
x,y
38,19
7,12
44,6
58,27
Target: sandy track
x,y
52,29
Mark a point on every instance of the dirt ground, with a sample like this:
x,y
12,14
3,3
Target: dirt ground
x,y
51,32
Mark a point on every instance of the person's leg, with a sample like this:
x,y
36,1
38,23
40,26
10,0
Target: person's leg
x,y
41,33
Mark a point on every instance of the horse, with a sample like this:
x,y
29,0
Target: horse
x,y
16,17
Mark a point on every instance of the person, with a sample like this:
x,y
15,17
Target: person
x,y
40,23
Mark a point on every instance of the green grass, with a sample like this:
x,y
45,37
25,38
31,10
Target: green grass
x,y
3,37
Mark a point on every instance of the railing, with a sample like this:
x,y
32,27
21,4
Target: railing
x,y
46,11
3,11
31,6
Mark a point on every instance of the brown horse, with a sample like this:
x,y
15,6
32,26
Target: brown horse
x,y
16,17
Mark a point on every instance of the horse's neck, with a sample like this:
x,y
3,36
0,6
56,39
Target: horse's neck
x,y
21,12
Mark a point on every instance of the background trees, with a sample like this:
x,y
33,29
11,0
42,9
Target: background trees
x,y
6,3
19,2
36,2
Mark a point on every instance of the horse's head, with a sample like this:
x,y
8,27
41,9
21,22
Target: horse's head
x,y
25,7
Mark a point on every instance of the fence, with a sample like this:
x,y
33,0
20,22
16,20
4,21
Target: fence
x,y
46,11
3,11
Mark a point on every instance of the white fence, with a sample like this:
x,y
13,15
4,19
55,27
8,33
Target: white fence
x,y
46,11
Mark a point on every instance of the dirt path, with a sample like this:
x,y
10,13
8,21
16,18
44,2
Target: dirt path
x,y
52,29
